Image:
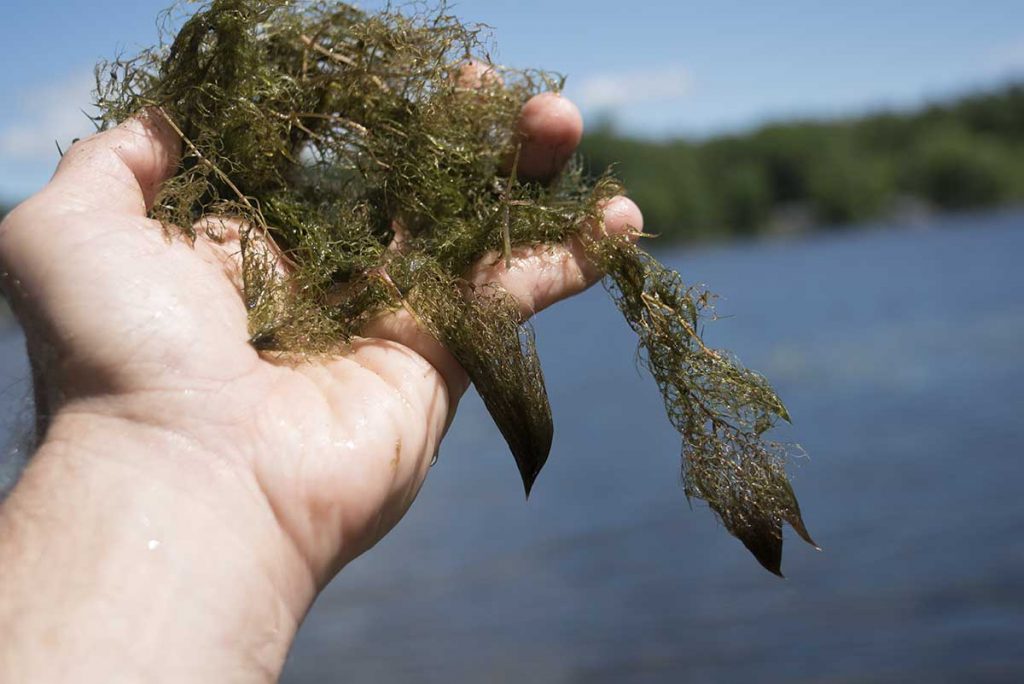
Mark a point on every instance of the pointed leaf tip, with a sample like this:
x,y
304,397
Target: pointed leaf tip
x,y
795,518
531,453
500,356
797,524
764,540
529,477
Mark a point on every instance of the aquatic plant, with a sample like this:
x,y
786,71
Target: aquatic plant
x,y
348,145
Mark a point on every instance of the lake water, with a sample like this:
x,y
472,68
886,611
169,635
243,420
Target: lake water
x,y
900,355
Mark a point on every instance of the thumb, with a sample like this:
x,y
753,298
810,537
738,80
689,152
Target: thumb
x,y
120,169
114,175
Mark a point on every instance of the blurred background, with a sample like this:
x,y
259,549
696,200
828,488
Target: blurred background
x,y
850,179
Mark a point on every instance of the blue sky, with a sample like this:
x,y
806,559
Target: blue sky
x,y
655,68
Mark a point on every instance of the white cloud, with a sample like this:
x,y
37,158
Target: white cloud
x,y
643,86
44,114
1006,59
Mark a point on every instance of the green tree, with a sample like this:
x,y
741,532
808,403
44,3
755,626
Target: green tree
x,y
955,169
961,154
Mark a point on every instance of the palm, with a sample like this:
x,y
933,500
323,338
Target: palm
x,y
336,443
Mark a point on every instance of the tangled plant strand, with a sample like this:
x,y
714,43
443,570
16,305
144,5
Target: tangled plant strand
x,y
325,131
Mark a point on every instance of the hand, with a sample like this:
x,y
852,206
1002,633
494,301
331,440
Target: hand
x,y
179,464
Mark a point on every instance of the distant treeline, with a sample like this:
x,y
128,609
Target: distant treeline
x,y
962,154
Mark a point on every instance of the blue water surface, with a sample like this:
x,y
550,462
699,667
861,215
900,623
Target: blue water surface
x,y
900,354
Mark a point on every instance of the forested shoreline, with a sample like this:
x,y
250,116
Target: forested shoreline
x,y
967,153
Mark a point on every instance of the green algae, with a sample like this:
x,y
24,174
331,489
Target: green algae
x,y
347,147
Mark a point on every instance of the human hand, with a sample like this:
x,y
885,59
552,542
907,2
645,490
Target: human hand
x,y
255,466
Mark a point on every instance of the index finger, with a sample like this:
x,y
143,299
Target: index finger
x,y
549,129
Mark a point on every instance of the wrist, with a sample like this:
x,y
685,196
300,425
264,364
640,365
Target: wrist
x,y
169,553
